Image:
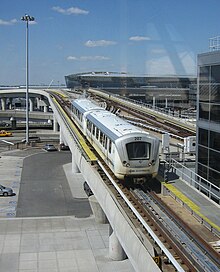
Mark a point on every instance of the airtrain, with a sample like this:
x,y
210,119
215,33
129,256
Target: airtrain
x,y
131,153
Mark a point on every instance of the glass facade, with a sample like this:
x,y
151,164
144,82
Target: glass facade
x,y
208,131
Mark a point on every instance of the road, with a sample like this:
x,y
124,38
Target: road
x,y
44,189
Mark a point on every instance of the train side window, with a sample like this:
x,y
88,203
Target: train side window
x,y
97,133
93,130
89,126
101,137
104,141
110,146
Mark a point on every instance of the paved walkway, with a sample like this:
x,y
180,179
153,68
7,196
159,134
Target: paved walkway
x,y
50,244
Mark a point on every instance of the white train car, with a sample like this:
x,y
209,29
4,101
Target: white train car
x,y
129,152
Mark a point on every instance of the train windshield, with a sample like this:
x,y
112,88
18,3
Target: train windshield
x,y
138,150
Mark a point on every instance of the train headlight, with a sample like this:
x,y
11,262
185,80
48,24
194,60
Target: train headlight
x,y
151,163
126,164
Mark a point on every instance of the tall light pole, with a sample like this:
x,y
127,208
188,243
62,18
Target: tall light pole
x,y
27,19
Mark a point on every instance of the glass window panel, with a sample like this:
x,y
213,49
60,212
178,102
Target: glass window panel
x,y
202,171
215,73
203,155
215,141
204,74
204,93
215,113
203,137
204,111
214,157
215,93
138,150
214,177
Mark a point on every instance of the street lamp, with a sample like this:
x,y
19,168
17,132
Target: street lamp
x,y
27,19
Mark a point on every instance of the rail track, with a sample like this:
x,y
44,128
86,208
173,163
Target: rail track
x,y
126,108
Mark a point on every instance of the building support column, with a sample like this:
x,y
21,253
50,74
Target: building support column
x,y
166,102
154,102
10,103
116,251
97,210
31,101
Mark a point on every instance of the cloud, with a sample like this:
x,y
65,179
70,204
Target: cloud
x,y
70,11
165,66
5,23
88,58
139,38
90,43
160,66
71,58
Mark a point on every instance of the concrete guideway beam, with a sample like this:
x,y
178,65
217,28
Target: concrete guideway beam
x,y
139,252
127,235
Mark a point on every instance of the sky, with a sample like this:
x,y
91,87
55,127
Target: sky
x,y
140,37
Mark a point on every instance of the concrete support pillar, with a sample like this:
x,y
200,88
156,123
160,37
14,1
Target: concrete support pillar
x,y
10,103
154,102
55,124
116,251
3,103
31,103
97,210
75,168
61,137
37,102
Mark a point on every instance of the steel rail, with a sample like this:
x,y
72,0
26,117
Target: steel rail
x,y
200,253
143,222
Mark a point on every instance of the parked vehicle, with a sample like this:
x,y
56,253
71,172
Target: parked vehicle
x,y
4,191
64,147
4,124
4,133
50,147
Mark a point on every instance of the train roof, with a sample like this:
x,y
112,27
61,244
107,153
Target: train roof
x,y
111,125
84,105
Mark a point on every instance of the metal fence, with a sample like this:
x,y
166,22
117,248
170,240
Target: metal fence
x,y
203,185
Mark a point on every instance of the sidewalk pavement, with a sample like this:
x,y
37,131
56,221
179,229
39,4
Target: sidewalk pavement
x,y
52,244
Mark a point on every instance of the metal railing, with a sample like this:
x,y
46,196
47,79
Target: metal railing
x,y
203,185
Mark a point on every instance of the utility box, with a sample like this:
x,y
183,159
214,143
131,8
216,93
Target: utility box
x,y
190,144
165,141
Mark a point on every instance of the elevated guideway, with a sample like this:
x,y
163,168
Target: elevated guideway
x,y
125,231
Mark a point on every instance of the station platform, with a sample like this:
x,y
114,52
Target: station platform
x,y
204,209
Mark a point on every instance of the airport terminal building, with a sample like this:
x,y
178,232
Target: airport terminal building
x,y
208,121
167,91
